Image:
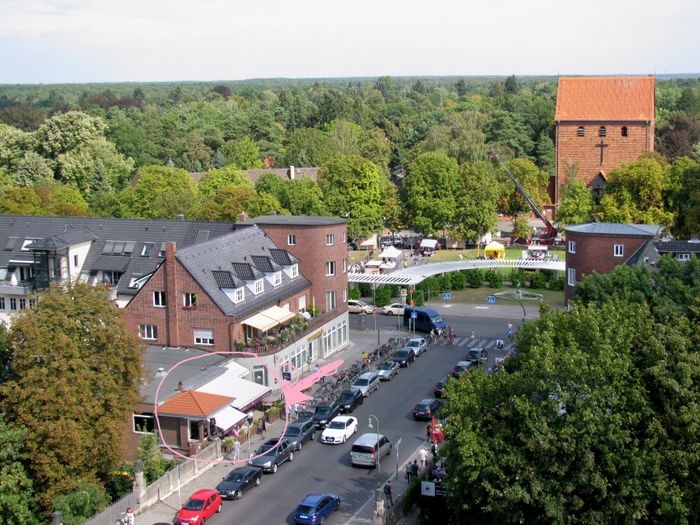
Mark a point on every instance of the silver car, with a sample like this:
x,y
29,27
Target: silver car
x,y
418,345
387,370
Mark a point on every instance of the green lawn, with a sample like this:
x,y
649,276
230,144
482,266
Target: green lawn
x,y
478,296
453,255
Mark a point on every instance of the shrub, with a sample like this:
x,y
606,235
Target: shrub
x,y
411,496
517,278
365,290
474,278
494,278
120,482
556,284
537,280
154,464
458,280
354,293
85,501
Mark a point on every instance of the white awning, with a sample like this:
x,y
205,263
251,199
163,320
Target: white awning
x,y
428,243
269,318
390,253
227,417
244,392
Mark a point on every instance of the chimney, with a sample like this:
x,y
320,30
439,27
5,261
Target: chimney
x,y
180,216
291,172
243,216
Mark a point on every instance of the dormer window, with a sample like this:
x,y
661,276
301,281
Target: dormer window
x,y
277,278
26,243
147,249
294,271
239,295
258,287
623,131
602,131
581,131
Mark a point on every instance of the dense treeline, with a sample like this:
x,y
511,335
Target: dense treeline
x,y
72,149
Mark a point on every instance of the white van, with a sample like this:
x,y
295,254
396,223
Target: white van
x,y
367,447
367,383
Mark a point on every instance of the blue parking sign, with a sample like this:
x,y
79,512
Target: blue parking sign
x,y
509,331
491,299
414,315
447,296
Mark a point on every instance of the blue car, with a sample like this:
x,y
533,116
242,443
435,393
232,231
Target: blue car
x,y
314,508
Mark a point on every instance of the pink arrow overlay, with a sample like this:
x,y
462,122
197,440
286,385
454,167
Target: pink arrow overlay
x,y
293,392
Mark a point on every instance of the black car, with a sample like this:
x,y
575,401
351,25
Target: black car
x,y
300,432
304,415
324,413
477,355
439,387
238,481
427,409
404,357
271,456
460,368
350,399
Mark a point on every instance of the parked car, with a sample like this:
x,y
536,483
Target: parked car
x,y
393,309
300,432
426,409
305,414
350,399
478,355
439,387
339,430
387,370
367,383
418,345
238,482
369,449
324,413
460,368
201,506
315,508
355,306
272,456
404,357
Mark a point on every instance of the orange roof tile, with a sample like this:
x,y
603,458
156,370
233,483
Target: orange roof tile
x,y
193,403
605,98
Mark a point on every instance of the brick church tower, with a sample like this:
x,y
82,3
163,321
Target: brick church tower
x,y
601,122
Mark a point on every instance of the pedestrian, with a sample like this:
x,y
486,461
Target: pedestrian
x,y
261,425
129,518
452,335
414,469
429,431
434,449
236,449
387,494
422,457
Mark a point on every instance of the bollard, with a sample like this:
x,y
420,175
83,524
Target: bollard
x,y
57,517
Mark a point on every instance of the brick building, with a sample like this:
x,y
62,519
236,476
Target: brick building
x,y
600,123
600,247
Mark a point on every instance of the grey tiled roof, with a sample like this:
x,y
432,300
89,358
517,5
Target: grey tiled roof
x,y
226,279
677,246
645,254
611,228
207,260
62,240
58,230
296,220
265,264
283,257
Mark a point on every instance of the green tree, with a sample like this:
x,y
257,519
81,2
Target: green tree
x,y
162,192
352,188
14,144
264,204
16,487
57,199
227,204
274,185
684,186
20,201
215,179
475,206
576,203
244,154
73,347
154,464
32,169
82,503
308,147
461,137
345,137
68,131
511,85
508,130
304,197
534,180
431,187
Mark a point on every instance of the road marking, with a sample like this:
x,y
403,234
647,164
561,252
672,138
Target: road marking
x,y
481,308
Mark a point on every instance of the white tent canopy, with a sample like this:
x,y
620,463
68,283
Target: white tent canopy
x,y
428,243
390,253
227,417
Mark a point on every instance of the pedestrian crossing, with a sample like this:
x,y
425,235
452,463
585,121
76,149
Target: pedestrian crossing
x,y
474,342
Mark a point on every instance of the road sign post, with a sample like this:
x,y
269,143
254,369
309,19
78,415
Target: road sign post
x,y
491,299
446,296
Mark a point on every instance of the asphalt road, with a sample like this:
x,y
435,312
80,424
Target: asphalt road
x,y
326,468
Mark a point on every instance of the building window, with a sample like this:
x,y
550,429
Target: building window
x,y
111,278
302,303
239,295
623,131
330,268
345,295
203,336
619,250
161,252
345,237
295,270
26,273
329,239
22,303
147,249
345,265
144,423
602,131
189,300
26,243
581,131
291,240
679,257
2,303
330,301
32,303
75,261
13,304
571,277
159,299
572,246
258,287
277,278
148,331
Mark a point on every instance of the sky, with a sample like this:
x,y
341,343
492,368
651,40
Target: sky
x,y
75,41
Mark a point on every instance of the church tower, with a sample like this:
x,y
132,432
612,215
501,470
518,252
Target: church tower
x,y
601,122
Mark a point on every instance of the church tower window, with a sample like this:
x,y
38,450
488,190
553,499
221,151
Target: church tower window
x,y
602,131
623,131
580,132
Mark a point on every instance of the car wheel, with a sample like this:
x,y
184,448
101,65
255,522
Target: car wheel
x,y
337,506
301,444
390,313
219,508
274,468
344,438
313,436
239,495
257,482
322,520
291,456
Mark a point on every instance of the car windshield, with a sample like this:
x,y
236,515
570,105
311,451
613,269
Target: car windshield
x,y
292,431
436,319
422,407
346,397
384,366
475,352
338,425
402,354
264,449
362,382
194,504
235,476
413,343
305,509
323,410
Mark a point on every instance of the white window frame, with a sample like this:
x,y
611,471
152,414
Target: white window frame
x,y
143,416
345,237
330,239
2,303
683,256
239,295
301,302
13,304
189,299
294,271
345,295
277,279
572,246
159,299
147,249
148,332
258,287
291,239
204,336
619,250
330,268
345,265
571,276
331,301
22,303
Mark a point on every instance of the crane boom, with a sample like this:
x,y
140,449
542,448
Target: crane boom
x,y
551,230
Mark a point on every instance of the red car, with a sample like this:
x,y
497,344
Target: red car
x,y
201,506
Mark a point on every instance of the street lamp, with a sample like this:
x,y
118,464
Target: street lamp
x,y
376,453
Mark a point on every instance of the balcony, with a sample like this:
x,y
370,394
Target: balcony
x,y
23,288
274,340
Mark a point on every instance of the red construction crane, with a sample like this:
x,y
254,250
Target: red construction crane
x,y
551,230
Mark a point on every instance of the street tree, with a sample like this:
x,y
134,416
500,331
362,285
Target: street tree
x,y
74,374
16,487
576,203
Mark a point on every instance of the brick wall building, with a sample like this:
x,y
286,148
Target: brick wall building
x,y
600,123
600,247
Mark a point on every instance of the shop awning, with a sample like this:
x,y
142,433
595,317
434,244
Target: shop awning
x,y
227,417
244,393
268,319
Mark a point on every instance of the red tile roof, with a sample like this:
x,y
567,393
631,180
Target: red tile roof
x,y
193,403
605,98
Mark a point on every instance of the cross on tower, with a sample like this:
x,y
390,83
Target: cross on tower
x,y
601,146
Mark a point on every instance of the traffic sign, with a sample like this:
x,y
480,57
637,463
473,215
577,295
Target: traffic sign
x,y
414,315
510,325
491,299
510,331
287,376
447,296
